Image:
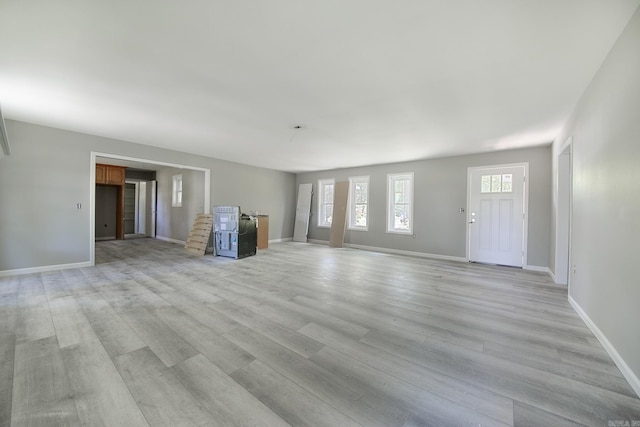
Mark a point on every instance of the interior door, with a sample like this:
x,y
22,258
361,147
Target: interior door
x,y
496,215
303,210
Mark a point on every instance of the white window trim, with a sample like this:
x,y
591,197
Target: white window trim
x,y
352,201
391,178
174,192
321,184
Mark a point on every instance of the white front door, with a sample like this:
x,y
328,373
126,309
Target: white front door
x,y
496,215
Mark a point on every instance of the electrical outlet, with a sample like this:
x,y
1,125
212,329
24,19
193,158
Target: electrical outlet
x,y
574,269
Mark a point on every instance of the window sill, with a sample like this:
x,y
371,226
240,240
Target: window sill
x,y
406,233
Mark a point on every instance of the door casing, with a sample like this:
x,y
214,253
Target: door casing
x,y
92,193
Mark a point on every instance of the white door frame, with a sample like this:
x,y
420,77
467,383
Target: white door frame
x,y
141,207
525,225
563,230
154,209
92,192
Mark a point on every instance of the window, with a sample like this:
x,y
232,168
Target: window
x,y
325,202
176,199
359,203
496,183
400,203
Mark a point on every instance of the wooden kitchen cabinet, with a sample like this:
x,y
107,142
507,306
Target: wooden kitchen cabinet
x,y
110,175
101,174
115,175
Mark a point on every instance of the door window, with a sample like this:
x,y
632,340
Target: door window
x,y
496,183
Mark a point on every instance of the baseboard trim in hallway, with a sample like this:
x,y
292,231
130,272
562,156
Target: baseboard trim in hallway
x,y
626,371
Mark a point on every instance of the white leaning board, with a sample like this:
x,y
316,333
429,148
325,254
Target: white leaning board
x,y
303,210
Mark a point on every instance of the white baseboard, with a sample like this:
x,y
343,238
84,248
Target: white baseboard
x,y
286,239
19,271
537,268
394,251
629,375
419,254
407,253
555,279
170,240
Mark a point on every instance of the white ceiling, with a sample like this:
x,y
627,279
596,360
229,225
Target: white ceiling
x,y
369,81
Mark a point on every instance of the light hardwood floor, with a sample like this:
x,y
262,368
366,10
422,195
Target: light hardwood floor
x,y
298,335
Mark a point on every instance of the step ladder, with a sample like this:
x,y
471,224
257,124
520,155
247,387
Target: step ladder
x,y
198,239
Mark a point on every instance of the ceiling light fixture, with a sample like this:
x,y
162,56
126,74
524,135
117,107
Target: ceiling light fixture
x,y
296,128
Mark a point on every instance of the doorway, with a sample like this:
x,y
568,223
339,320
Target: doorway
x,y
563,219
497,223
106,208
139,207
152,189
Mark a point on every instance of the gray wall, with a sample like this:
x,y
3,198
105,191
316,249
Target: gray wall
x,y
605,230
440,191
269,192
175,222
48,173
